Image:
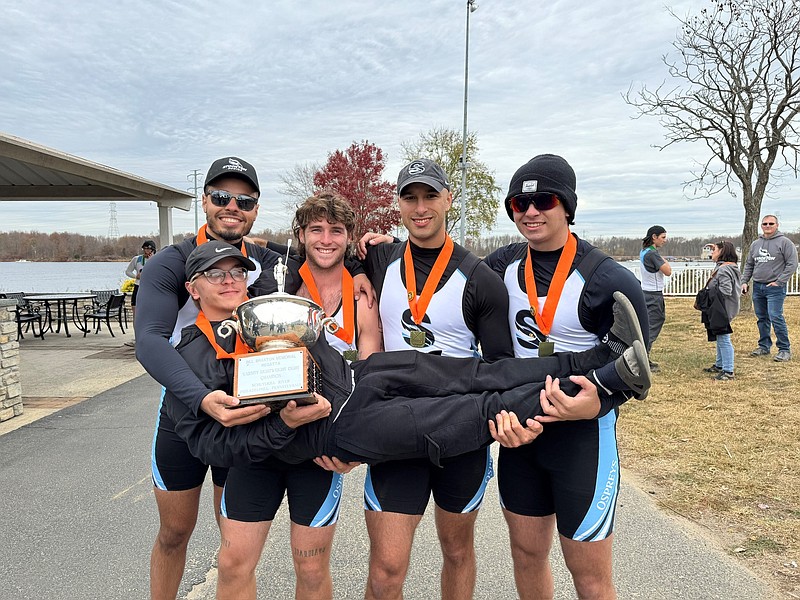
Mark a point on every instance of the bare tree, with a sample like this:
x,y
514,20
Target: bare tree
x,y
444,146
740,93
298,184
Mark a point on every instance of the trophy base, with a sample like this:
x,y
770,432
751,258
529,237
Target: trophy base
x,y
277,403
276,377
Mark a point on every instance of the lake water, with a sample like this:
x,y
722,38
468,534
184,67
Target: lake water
x,y
44,277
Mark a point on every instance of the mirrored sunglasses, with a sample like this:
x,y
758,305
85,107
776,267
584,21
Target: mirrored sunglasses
x,y
222,198
540,200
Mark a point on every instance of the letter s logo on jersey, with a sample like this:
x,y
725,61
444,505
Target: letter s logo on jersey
x,y
528,336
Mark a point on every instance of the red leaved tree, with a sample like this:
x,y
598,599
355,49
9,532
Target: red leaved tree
x,y
356,175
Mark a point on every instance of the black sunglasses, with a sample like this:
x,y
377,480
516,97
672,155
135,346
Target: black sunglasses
x,y
222,198
540,200
767,224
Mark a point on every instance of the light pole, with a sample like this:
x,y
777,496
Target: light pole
x,y
471,8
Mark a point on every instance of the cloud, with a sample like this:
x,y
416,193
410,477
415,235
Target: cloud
x,y
160,89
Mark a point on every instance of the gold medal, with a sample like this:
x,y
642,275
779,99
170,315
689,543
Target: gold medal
x,y
350,355
546,348
418,338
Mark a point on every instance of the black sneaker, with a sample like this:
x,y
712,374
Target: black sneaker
x,y
713,369
654,367
724,376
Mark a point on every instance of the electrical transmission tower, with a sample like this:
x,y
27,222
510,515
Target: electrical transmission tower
x,y
113,228
193,176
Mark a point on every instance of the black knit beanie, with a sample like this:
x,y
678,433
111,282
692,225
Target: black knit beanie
x,y
545,173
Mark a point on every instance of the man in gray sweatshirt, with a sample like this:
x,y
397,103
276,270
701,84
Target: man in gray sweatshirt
x,y
771,263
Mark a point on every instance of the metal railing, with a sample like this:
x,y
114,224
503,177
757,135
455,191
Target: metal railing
x,y
690,280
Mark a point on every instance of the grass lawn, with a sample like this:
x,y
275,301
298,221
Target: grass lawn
x,y
724,454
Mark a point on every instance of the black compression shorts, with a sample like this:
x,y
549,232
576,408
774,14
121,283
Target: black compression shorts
x,y
570,470
173,466
254,493
405,486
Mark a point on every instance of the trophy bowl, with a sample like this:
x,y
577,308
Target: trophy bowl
x,y
280,320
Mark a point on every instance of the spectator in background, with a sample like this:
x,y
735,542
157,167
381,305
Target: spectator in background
x,y
134,271
723,293
771,262
653,269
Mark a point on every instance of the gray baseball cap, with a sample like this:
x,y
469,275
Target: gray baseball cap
x,y
422,170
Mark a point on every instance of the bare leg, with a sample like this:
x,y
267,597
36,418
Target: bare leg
x,y
311,554
390,536
240,551
590,565
457,538
177,512
531,538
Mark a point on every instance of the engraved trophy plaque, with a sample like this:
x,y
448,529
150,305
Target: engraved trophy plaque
x,y
278,327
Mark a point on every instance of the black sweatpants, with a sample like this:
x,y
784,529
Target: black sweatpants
x,y
409,404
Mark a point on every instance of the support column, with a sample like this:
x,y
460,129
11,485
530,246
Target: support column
x,y
10,388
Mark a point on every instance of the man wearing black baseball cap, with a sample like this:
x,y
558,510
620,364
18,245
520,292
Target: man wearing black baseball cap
x,y
561,293
435,296
230,200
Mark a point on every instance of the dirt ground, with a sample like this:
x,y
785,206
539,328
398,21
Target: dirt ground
x,y
724,454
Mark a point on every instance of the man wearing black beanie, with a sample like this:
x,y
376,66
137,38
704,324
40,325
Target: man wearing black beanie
x,y
560,298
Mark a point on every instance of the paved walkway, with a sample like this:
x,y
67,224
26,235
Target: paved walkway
x,y
80,517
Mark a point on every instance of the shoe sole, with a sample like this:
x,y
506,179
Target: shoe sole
x,y
630,314
645,377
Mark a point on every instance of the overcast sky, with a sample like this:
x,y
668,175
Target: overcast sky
x,y
159,89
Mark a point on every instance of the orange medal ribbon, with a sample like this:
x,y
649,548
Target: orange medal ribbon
x,y
419,305
202,238
347,332
204,325
545,319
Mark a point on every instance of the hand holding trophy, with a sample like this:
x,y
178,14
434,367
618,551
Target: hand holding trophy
x,y
279,327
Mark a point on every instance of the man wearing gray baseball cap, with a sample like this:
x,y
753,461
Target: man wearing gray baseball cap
x,y
435,297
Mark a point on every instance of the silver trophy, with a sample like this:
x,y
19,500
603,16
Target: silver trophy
x,y
279,328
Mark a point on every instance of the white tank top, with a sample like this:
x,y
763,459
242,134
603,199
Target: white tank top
x,y
567,333
444,324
